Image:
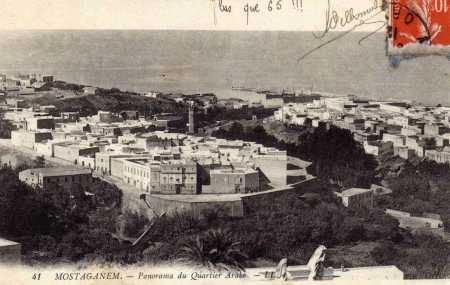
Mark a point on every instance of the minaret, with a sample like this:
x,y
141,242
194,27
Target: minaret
x,y
191,119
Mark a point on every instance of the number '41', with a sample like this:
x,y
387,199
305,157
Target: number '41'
x,y
36,276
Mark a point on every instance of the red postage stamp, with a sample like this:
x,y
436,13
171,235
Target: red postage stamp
x,y
419,27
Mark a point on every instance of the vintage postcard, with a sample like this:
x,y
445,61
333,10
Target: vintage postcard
x,y
224,141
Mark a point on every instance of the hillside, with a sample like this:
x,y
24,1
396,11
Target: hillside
x,y
114,101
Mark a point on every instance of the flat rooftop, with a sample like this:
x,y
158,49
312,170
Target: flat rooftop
x,y
354,191
234,171
59,171
5,242
178,162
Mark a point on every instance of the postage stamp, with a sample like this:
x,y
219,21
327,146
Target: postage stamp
x,y
419,27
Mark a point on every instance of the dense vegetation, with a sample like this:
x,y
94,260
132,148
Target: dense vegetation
x,y
420,187
335,156
57,225
67,86
292,226
113,100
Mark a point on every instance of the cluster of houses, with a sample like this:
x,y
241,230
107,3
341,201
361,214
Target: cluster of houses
x,y
25,82
156,162
383,127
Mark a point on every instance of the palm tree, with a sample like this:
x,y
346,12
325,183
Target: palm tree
x,y
214,249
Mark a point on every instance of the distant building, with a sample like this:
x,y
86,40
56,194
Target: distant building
x,y
411,131
10,251
104,117
47,78
178,177
28,139
394,107
106,130
142,173
159,177
408,221
40,123
72,151
433,130
357,198
152,141
232,103
130,115
231,181
20,104
169,121
68,117
103,161
65,177
404,152
362,137
438,156
89,90
26,82
413,142
273,163
397,140
380,190
442,141
152,94
378,148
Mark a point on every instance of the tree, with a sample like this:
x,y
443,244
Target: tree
x,y
133,223
385,253
39,162
236,130
5,129
214,249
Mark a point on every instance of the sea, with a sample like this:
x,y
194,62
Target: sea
x,y
215,61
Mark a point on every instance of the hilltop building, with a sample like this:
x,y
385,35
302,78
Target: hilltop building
x,y
357,198
65,177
